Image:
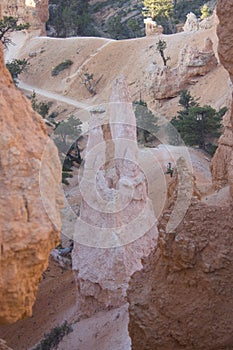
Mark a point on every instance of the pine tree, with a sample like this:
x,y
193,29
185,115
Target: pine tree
x,y
67,131
9,25
205,11
161,46
71,18
157,9
147,126
186,100
198,125
16,67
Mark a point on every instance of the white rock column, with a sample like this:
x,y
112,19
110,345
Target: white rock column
x,y
117,226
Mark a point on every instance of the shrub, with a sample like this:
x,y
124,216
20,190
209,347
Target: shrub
x,y
16,67
40,107
53,338
147,123
198,125
61,66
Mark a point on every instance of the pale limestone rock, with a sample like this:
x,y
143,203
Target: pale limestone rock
x,y
198,62
152,28
116,228
30,198
165,82
209,22
191,24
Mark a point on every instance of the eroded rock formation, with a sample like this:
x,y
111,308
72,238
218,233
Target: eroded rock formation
x,y
34,12
152,28
30,199
117,227
182,298
165,82
222,164
192,24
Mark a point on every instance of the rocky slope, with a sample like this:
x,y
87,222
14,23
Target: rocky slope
x,y
30,198
182,297
138,61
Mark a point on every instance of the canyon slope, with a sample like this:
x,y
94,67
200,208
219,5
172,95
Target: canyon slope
x,y
137,60
181,297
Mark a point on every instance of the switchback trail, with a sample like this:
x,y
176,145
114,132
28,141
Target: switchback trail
x,y
53,96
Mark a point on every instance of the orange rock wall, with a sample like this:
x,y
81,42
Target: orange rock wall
x,y
182,298
222,164
29,179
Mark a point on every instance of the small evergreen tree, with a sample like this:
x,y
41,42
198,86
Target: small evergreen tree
x,y
64,135
41,108
134,27
161,46
89,82
147,126
9,25
197,125
157,9
16,67
66,131
186,101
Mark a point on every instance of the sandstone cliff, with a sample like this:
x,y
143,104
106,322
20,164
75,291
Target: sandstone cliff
x,y
182,297
30,199
222,164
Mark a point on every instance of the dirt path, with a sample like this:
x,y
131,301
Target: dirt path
x,y
52,96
